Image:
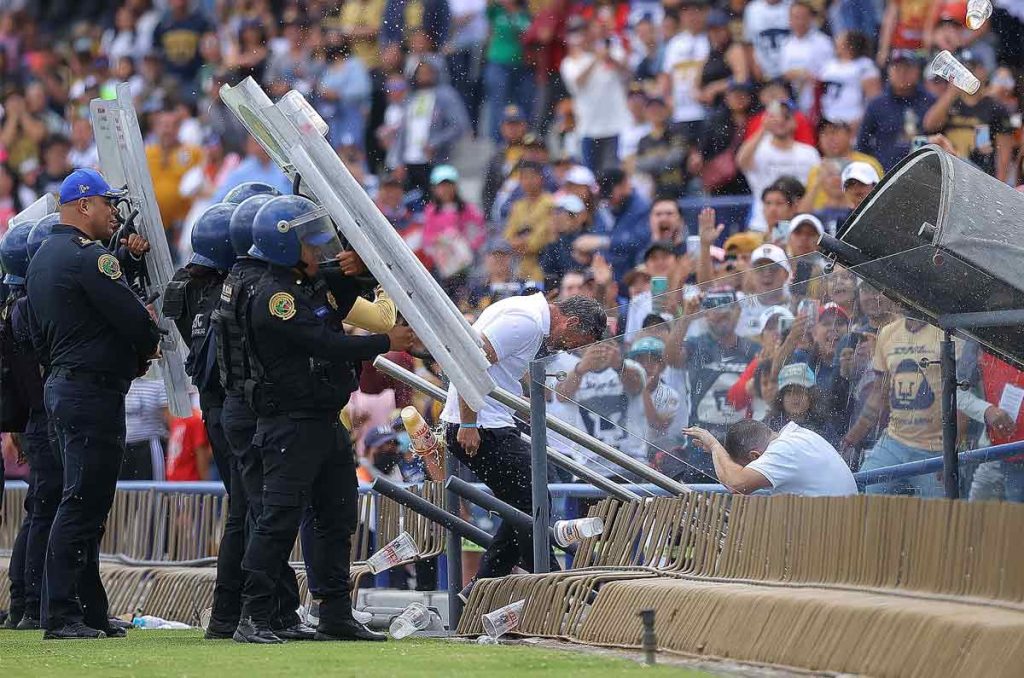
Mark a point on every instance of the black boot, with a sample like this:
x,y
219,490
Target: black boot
x,y
73,631
28,623
348,629
220,630
299,631
249,631
13,618
116,632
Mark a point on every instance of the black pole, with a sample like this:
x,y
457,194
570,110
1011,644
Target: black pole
x,y
539,468
453,523
520,520
950,463
453,547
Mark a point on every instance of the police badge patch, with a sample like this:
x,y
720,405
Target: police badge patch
x,y
109,266
282,305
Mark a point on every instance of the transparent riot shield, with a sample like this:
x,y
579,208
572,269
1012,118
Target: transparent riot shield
x,y
293,135
123,163
47,204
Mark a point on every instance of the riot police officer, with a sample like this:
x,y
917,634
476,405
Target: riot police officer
x,y
22,394
99,337
239,424
190,299
303,371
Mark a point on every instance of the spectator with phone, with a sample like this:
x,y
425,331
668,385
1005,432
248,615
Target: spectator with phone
x,y
825,326
714,361
771,153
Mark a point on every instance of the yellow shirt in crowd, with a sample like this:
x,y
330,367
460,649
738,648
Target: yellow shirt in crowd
x,y
534,216
167,168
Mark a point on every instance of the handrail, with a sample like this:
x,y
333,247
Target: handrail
x,y
919,468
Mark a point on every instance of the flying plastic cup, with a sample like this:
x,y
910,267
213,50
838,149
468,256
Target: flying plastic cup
x,y
504,619
948,68
978,12
399,550
571,531
414,618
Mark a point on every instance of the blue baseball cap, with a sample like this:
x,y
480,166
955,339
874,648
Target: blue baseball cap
x,y
86,183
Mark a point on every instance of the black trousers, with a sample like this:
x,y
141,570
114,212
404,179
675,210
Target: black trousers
x,y
239,425
45,486
227,591
306,461
88,419
503,464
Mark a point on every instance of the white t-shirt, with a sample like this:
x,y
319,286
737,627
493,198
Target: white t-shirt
x,y
770,163
800,461
684,59
566,411
474,32
516,328
600,103
843,88
808,53
630,138
766,26
418,116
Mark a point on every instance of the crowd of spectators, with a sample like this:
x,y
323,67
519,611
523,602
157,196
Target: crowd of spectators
x,y
605,122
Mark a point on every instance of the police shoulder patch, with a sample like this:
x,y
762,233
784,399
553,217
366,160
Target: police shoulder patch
x,y
109,266
282,305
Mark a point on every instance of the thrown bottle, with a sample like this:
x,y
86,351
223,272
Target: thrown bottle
x,y
571,531
978,12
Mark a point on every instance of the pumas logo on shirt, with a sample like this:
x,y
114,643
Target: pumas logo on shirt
x,y
910,388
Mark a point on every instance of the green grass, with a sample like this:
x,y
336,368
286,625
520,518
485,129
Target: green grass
x,y
155,654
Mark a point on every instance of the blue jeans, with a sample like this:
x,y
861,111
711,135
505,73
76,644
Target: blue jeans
x,y
348,125
998,480
889,452
504,85
600,154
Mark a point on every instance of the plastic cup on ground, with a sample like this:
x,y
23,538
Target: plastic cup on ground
x,y
204,618
486,640
946,66
978,12
399,550
571,531
504,619
414,618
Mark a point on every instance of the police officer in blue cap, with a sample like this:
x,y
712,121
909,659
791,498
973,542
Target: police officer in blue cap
x,y
303,369
99,337
21,395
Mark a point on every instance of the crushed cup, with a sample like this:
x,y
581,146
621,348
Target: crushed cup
x,y
399,550
414,618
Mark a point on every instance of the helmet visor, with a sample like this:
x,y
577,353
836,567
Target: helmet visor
x,y
316,230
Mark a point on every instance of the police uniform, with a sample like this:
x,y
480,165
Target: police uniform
x,y
99,337
46,474
239,423
304,369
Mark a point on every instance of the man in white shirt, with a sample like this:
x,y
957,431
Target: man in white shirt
x,y
772,152
595,72
513,331
682,64
804,53
794,460
765,29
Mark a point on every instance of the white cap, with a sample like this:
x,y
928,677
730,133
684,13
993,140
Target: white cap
x,y
581,176
801,219
772,253
860,171
569,202
770,313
